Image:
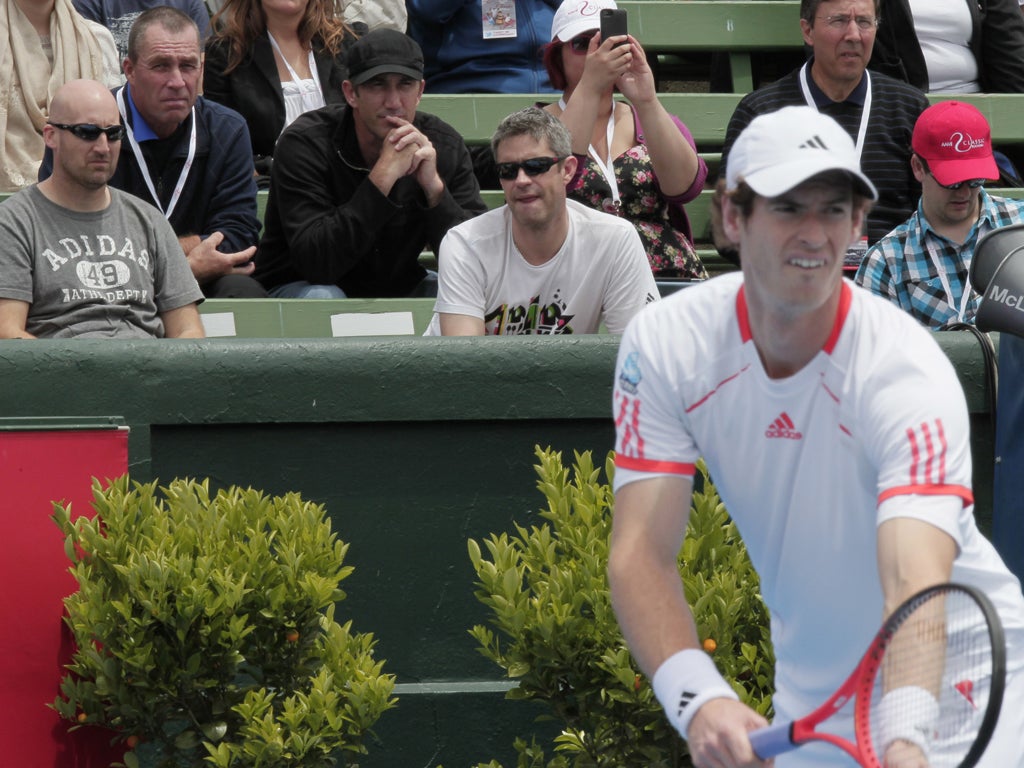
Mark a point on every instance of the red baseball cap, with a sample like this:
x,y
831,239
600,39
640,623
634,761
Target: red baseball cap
x,y
956,140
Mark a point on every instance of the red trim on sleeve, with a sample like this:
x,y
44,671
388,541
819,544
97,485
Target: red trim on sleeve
x,y
929,490
651,465
928,448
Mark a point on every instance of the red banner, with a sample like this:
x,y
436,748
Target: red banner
x,y
38,468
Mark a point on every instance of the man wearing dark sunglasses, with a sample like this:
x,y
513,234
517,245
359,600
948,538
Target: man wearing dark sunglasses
x,y
923,265
80,258
541,264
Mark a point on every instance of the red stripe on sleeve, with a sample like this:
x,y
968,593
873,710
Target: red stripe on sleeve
x,y
929,490
651,465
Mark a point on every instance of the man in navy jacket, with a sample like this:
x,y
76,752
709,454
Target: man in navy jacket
x,y
187,156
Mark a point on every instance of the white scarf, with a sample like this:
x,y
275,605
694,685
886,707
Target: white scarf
x,y
28,82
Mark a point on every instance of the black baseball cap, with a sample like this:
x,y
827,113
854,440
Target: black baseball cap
x,y
384,51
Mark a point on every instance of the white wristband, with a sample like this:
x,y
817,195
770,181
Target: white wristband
x,y
908,713
685,682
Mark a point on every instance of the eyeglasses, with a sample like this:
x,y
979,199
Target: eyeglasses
x,y
581,43
91,131
841,21
534,166
971,183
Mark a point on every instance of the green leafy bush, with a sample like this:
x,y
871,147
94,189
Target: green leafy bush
x,y
205,629
553,629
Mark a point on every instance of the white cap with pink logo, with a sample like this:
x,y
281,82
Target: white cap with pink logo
x,y
574,17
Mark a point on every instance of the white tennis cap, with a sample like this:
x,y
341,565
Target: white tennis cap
x,y
782,149
574,17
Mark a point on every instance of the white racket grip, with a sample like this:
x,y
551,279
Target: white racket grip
x,y
908,713
772,740
686,681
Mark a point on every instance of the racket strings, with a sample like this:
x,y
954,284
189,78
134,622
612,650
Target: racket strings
x,y
933,682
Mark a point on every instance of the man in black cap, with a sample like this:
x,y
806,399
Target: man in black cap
x,y
360,189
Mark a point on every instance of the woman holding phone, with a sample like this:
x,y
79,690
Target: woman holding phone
x,y
635,159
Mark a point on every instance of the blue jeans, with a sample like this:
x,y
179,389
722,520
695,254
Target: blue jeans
x,y
302,289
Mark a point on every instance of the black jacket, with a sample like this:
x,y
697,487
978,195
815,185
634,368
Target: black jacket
x,y
253,89
328,224
997,42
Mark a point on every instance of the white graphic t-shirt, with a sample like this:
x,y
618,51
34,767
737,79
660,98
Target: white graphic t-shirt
x,y
600,273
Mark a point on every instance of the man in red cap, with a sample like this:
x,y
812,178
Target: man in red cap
x,y
922,265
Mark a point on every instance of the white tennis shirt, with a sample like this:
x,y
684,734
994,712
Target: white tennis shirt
x,y
809,465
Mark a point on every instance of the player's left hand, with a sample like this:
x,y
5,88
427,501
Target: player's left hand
x,y
904,754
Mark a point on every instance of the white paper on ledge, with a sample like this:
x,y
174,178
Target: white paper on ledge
x,y
372,324
219,324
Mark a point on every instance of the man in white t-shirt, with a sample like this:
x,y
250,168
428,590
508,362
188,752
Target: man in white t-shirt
x,y
837,433
540,264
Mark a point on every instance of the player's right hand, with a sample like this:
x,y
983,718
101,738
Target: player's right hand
x,y
718,738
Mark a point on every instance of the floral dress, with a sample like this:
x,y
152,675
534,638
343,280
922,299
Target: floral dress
x,y
660,220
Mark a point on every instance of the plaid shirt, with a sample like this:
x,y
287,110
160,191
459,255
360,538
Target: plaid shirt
x,y
901,266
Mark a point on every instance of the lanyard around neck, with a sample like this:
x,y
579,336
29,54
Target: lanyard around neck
x,y
965,298
144,169
606,166
865,110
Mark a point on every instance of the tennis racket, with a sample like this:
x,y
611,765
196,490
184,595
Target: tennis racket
x,y
926,694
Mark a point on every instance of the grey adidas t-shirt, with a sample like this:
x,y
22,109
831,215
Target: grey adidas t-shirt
x,y
104,273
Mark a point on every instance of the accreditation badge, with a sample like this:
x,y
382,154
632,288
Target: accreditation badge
x,y
499,18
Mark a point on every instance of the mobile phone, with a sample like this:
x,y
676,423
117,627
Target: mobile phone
x,y
613,22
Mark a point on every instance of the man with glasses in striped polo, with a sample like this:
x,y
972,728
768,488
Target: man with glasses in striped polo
x,y
923,265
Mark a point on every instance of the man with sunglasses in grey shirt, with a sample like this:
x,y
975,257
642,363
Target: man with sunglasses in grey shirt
x,y
79,258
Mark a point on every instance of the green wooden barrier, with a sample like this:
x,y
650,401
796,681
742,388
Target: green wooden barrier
x,y
413,444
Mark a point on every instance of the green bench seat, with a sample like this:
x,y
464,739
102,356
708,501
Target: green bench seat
x,y
738,29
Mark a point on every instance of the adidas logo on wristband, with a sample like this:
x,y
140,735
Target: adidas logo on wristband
x,y
684,699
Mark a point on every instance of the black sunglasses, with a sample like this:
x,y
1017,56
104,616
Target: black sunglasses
x,y
581,43
534,166
972,183
91,131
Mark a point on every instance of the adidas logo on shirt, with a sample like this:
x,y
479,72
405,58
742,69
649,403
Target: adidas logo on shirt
x,y
783,427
